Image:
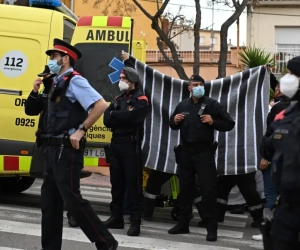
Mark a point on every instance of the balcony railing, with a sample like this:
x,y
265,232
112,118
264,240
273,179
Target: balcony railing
x,y
281,57
279,2
186,56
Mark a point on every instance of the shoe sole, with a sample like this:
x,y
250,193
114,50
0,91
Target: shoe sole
x,y
133,235
187,232
212,240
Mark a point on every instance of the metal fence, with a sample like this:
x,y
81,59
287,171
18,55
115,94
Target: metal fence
x,y
281,57
186,56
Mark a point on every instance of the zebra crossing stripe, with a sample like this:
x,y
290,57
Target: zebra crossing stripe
x,y
9,248
124,241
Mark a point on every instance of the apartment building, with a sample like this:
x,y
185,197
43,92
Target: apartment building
x,y
275,26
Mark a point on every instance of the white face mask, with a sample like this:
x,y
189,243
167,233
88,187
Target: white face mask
x,y
289,84
123,86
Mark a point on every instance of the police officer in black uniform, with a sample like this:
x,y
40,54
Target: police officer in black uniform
x,y
125,117
281,147
197,118
71,97
37,104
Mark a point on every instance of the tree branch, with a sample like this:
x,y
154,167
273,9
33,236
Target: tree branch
x,y
235,4
197,25
163,37
224,34
161,9
162,51
143,10
180,32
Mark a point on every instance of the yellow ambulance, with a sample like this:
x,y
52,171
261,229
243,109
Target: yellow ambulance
x,y
25,34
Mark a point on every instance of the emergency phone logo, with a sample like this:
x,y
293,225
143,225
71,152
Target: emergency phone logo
x,y
13,63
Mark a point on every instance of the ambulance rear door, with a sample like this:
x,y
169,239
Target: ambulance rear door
x,y
101,40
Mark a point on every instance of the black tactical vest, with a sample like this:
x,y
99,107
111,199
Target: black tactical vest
x,y
63,114
124,103
192,130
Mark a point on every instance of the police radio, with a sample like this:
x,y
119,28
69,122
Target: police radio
x,y
201,110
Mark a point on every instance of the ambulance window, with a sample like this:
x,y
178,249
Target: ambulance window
x,y
68,31
94,65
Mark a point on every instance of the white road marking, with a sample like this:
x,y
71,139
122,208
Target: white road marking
x,y
9,248
124,241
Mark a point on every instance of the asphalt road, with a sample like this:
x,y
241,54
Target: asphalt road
x,y
20,227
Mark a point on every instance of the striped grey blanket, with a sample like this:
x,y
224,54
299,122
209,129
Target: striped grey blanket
x,y
245,95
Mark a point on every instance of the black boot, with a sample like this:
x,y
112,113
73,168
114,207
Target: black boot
x,y
102,245
114,223
115,246
180,228
256,222
148,209
257,216
239,209
71,221
135,228
212,232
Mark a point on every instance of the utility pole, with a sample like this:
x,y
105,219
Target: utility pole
x,y
212,32
238,39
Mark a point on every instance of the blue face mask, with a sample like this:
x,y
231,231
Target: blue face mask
x,y
198,91
53,66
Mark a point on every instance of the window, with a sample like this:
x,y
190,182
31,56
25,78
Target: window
x,y
202,39
69,28
94,65
213,41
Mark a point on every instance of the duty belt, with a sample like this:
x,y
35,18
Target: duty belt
x,y
123,139
53,141
194,146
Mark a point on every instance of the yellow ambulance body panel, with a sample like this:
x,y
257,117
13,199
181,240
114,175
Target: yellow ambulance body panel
x,y
25,34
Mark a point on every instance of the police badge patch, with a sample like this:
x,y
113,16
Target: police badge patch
x,y
57,99
277,136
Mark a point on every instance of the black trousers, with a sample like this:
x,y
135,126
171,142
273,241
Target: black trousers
x,y
286,229
247,186
157,179
62,186
125,174
202,164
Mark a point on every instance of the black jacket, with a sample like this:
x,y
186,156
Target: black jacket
x,y
121,120
36,104
192,129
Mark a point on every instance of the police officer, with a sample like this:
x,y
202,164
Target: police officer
x,y
37,104
125,117
197,118
70,99
281,147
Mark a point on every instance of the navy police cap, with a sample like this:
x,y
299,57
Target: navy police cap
x,y
62,46
196,78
